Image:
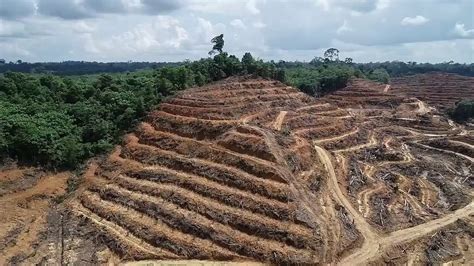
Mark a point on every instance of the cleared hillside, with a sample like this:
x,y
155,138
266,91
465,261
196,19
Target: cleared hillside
x,y
27,202
253,170
440,90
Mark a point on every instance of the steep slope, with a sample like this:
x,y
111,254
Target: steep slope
x,y
211,175
255,170
252,170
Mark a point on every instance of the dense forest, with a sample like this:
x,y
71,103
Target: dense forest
x,y
61,121
57,117
78,67
393,68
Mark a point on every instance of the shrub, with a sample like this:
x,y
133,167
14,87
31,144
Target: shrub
x,y
379,75
463,111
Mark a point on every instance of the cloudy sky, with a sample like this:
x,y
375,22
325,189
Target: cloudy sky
x,y
173,30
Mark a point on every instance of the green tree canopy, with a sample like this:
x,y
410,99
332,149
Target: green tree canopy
x,y
218,42
463,111
332,54
380,75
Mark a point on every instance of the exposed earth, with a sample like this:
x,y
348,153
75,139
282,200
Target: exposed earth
x,y
251,170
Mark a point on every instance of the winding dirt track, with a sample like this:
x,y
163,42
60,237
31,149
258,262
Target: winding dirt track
x,y
345,135
374,244
462,143
376,248
372,142
370,237
445,151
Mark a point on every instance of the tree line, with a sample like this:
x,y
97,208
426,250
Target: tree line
x,y
59,122
78,67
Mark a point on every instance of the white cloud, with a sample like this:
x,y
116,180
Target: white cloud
x,y
89,44
355,6
163,33
239,24
343,28
414,21
252,7
382,4
259,25
82,27
460,29
114,30
324,4
11,29
18,52
205,30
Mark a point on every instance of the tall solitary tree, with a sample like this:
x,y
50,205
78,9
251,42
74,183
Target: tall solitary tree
x,y
332,54
218,42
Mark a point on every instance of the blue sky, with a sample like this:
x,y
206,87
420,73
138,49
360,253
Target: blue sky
x,y
174,30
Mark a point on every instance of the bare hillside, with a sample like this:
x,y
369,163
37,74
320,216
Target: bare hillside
x,y
440,90
253,170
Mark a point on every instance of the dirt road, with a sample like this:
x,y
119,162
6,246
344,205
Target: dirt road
x,y
372,142
279,120
374,245
462,143
376,248
355,131
444,151
365,229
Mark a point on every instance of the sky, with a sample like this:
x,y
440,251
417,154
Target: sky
x,y
174,30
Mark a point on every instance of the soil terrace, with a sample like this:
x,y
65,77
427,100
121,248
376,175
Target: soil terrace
x,y
308,181
251,170
440,90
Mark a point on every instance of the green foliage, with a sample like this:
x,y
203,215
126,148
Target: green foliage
x,y
398,68
320,80
62,121
321,75
379,75
44,137
331,54
218,42
79,67
463,111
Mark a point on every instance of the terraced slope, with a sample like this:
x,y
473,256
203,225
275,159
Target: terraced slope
x,y
440,90
361,92
208,176
252,170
